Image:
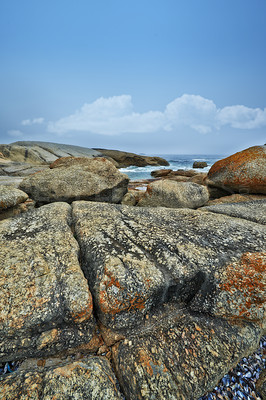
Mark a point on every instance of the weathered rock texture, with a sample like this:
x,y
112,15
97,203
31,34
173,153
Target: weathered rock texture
x,y
178,296
88,379
243,172
250,210
10,197
45,304
98,180
125,159
180,357
138,259
35,152
168,193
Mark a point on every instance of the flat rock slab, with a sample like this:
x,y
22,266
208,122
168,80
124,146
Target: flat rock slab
x,y
20,169
137,259
45,304
10,197
98,180
89,379
181,358
250,210
10,180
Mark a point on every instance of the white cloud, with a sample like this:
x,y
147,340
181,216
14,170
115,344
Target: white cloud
x,y
116,115
109,116
242,117
15,133
27,122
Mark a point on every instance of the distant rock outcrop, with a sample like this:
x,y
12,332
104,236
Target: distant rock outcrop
x,y
199,164
125,159
35,152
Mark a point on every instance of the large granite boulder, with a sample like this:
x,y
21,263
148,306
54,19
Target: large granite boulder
x,y
90,378
45,303
98,180
35,152
125,159
168,193
242,172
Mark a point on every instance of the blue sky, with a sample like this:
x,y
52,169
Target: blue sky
x,y
151,76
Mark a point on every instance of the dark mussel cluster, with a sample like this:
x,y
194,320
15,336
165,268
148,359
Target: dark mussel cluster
x,y
8,367
240,382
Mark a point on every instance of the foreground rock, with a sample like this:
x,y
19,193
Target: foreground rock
x,y
181,358
125,159
171,194
138,259
243,172
98,180
35,152
45,304
90,378
178,297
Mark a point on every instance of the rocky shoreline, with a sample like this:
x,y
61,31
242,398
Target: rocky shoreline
x,y
112,292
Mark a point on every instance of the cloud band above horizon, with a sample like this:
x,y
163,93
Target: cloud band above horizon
x,y
115,115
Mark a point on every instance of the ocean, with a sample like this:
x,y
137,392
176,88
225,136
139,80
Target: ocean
x,y
176,161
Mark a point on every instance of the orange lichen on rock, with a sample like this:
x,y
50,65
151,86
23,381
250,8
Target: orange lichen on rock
x,y
119,301
237,160
245,284
145,361
83,315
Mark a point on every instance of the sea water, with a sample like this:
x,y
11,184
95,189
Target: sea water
x,y
176,161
